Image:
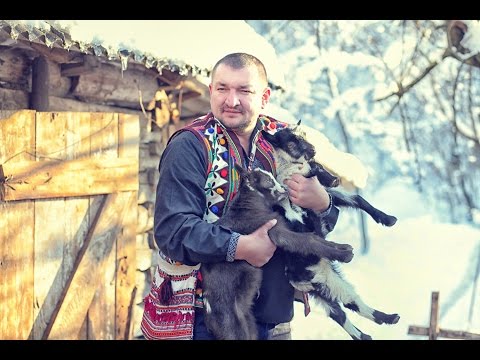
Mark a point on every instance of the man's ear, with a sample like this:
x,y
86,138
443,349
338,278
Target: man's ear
x,y
265,97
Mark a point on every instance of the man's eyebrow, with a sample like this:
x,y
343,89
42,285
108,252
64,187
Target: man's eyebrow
x,y
247,86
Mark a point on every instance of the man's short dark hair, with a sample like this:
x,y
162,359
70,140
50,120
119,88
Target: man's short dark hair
x,y
240,61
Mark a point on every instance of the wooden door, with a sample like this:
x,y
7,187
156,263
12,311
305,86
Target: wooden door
x,y
68,208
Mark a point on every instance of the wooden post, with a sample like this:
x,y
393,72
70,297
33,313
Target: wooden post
x,y
433,329
40,82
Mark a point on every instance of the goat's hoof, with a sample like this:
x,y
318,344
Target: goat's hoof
x,y
335,182
382,318
393,319
339,246
387,220
345,255
391,220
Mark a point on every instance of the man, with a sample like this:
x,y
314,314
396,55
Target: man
x,y
197,181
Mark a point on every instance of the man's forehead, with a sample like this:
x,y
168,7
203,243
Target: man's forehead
x,y
246,77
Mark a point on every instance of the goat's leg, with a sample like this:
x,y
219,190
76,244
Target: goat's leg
x,y
336,313
251,325
328,284
229,291
356,201
225,325
308,244
375,315
324,177
246,291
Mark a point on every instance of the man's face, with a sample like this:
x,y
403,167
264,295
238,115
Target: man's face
x,y
237,96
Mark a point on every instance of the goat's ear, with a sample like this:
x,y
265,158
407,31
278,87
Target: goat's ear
x,y
295,127
241,171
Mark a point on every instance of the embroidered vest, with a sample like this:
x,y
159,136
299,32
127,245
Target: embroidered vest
x,y
223,150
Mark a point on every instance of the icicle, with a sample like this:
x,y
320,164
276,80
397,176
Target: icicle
x,y
124,54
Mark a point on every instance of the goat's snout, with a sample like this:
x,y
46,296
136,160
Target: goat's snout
x,y
279,192
282,192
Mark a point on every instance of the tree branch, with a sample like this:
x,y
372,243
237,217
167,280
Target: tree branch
x,y
402,90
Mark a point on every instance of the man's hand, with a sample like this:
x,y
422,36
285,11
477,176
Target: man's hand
x,y
307,193
256,248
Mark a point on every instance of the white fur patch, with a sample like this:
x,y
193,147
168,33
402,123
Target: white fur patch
x,y
277,188
292,211
287,165
340,289
302,286
207,306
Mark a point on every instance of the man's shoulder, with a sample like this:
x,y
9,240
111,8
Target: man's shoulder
x,y
184,136
270,124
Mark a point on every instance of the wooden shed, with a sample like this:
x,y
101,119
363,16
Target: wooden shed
x,y
82,128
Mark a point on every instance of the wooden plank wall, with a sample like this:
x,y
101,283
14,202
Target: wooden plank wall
x,y
16,236
69,262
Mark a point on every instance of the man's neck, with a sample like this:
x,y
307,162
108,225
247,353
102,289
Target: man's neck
x,y
245,140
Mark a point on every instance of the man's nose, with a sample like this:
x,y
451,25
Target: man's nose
x,y
232,99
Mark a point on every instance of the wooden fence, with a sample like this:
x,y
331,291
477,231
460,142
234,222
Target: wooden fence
x,y
68,211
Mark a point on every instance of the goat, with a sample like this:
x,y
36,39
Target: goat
x,y
318,276
229,288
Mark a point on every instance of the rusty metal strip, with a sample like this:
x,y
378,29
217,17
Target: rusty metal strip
x,y
2,184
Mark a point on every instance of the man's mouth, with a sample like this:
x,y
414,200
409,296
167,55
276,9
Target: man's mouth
x,y
232,111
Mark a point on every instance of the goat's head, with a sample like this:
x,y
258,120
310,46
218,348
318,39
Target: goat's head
x,y
263,183
294,154
292,143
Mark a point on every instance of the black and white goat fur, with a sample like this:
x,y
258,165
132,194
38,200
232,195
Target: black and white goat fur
x,y
318,276
229,288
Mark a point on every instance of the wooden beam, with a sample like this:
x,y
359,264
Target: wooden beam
x,y
13,99
109,84
40,84
89,63
444,333
126,260
51,179
56,55
126,257
15,68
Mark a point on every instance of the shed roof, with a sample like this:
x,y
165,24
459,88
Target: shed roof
x,y
189,47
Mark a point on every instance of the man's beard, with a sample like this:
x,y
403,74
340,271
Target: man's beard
x,y
245,123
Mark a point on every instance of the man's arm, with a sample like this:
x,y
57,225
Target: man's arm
x,y
179,228
308,193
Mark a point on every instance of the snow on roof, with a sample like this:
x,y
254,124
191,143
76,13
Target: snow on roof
x,y
184,45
